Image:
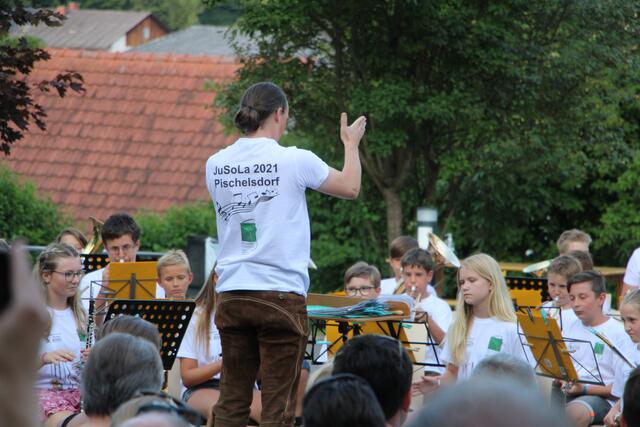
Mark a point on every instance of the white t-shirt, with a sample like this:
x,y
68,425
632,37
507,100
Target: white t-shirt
x,y
441,313
622,371
387,286
605,357
190,349
258,188
486,337
63,335
632,273
93,280
568,315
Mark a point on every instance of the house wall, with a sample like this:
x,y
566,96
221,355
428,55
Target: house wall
x,y
120,45
145,31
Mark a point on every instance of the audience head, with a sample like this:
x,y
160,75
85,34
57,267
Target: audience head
x,y
258,103
573,240
174,274
384,364
342,400
631,401
73,237
587,292
398,247
480,284
121,237
560,270
149,409
119,365
484,402
505,366
417,270
585,259
135,326
362,280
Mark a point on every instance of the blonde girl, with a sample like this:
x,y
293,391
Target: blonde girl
x,y
201,355
630,311
485,320
59,270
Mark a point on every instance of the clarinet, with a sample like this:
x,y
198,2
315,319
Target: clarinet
x,y
90,324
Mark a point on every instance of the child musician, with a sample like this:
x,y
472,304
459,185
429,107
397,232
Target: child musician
x,y
174,274
59,270
485,320
417,272
630,311
560,271
588,404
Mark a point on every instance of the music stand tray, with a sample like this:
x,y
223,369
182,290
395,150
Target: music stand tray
x,y
171,317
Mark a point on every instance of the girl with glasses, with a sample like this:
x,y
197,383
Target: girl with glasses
x,y
59,270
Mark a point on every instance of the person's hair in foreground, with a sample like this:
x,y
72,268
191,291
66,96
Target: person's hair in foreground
x,y
485,402
505,366
631,408
598,284
383,363
133,326
343,400
119,365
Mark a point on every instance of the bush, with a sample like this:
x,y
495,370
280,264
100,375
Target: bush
x,y
169,230
24,214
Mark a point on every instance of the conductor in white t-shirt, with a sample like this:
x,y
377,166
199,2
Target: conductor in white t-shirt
x,y
258,189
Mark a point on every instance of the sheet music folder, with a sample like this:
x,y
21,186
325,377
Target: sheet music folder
x,y
171,317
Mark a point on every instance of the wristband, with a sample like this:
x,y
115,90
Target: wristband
x,y
584,389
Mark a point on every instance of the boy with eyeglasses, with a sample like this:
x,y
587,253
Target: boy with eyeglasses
x,y
121,238
362,280
417,273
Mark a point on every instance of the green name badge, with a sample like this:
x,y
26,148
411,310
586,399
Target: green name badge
x,y
248,231
598,348
495,343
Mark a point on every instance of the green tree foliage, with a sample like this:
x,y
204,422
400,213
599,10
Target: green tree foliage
x,y
26,215
169,230
18,109
509,117
175,14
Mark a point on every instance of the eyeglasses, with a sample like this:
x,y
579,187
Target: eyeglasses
x,y
166,403
69,275
117,249
364,291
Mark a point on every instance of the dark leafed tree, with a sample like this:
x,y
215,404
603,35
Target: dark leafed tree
x,y
508,116
18,109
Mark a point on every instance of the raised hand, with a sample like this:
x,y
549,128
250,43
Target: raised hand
x,y
351,135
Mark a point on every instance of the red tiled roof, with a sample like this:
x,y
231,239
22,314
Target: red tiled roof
x,y
138,138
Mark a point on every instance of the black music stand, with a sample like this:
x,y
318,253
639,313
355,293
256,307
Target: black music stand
x,y
536,284
171,317
319,348
92,262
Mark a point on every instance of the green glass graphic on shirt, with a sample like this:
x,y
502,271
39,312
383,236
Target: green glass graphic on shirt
x,y
598,348
248,231
495,343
